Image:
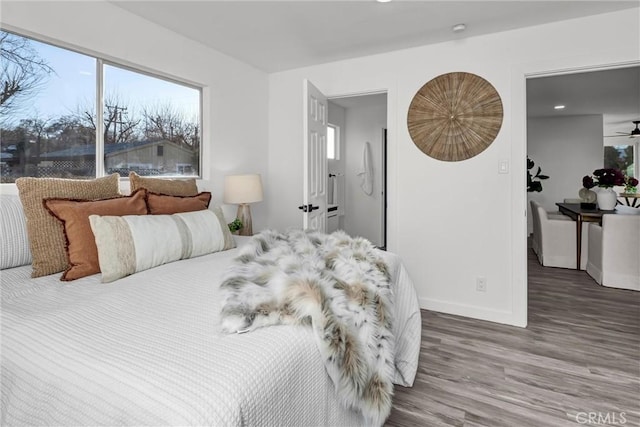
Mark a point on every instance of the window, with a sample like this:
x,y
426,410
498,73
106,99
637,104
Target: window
x,y
141,111
333,139
48,119
621,157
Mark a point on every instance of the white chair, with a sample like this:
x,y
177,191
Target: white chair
x,y
535,241
557,241
614,251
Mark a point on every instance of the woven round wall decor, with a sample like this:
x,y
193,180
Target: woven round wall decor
x,y
455,116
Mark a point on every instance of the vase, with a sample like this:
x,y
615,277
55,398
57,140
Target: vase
x,y
607,199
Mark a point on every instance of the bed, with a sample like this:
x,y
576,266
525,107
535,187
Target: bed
x,y
147,350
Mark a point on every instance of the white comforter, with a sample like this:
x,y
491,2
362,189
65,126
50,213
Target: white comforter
x,y
145,350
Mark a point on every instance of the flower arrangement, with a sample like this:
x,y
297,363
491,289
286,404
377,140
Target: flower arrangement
x,y
604,178
630,185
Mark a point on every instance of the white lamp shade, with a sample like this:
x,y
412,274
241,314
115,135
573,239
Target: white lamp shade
x,y
242,189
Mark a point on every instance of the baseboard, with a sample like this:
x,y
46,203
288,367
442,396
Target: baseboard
x,y
475,312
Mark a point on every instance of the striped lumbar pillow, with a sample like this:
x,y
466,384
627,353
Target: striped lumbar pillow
x,y
129,244
14,242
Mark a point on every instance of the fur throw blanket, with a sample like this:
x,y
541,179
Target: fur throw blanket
x,y
339,286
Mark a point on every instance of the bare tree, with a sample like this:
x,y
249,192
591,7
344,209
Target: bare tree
x,y
68,131
120,124
25,142
164,121
23,72
118,127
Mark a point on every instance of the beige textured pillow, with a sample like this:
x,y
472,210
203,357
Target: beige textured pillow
x,y
171,187
46,236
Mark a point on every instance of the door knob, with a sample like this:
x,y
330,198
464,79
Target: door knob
x,y
308,208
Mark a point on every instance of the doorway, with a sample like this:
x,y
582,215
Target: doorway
x,y
357,170
577,122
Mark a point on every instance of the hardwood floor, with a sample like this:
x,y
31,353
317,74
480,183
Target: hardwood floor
x,y
577,362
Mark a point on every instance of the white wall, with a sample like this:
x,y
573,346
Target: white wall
x,y
235,94
450,222
364,212
567,148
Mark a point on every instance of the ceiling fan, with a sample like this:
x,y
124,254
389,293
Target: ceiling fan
x,y
635,133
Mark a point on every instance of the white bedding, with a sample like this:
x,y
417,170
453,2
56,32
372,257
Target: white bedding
x,y
146,350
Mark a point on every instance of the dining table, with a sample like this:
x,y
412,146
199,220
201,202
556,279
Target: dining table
x,y
580,214
631,199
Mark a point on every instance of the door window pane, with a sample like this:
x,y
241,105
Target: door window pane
x,y
47,104
151,125
332,142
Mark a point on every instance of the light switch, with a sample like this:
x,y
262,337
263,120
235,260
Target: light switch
x,y
503,166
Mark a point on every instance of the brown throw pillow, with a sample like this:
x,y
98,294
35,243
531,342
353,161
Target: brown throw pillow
x,y
161,204
74,215
171,187
46,236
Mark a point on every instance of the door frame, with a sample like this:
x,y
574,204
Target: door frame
x,y
384,188
385,174
520,73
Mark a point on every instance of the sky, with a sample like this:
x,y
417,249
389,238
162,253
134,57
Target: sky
x,y
73,86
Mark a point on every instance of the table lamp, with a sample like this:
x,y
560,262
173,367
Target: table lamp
x,y
242,190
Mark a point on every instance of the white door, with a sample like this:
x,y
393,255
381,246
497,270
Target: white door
x,y
314,206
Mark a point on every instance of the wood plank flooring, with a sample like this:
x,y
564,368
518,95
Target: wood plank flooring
x,y
579,357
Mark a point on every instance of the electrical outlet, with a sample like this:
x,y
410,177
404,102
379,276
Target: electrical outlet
x,y
481,284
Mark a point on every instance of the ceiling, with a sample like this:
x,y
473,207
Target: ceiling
x,y
280,35
613,93
360,100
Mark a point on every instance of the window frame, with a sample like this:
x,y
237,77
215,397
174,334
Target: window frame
x,y
101,61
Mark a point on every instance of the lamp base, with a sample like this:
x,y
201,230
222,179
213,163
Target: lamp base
x,y
244,215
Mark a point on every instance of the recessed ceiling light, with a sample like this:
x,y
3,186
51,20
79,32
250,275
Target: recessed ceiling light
x,y
383,1
559,107
458,28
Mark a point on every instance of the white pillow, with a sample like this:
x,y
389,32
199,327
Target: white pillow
x,y
14,241
132,243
